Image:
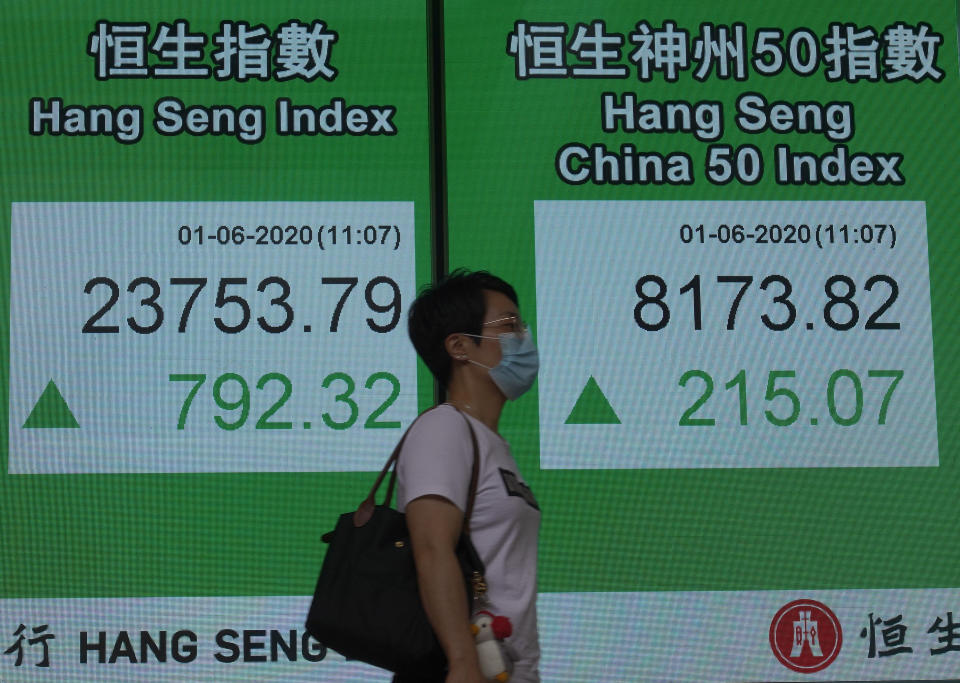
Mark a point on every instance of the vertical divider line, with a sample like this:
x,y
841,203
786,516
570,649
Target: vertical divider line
x,y
439,255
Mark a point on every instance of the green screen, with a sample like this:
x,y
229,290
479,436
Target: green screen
x,y
729,225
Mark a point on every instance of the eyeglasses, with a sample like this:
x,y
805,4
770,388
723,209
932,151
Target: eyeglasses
x,y
516,324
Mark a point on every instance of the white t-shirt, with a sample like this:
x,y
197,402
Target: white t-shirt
x,y
437,459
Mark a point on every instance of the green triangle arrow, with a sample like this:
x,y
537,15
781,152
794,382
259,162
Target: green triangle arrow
x,y
592,407
51,411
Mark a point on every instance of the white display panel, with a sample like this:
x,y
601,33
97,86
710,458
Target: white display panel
x,y
734,334
609,637
209,336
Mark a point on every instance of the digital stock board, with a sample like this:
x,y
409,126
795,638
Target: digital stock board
x,y
215,218
730,225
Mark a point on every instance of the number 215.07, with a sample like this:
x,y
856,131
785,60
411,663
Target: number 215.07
x,y
844,395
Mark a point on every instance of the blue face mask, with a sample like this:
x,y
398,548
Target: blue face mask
x,y
518,366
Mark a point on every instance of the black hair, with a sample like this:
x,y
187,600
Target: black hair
x,y
454,304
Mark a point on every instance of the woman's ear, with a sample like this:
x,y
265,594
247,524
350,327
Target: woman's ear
x,y
455,344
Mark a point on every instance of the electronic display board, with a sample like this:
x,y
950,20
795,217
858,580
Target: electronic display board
x,y
215,216
731,227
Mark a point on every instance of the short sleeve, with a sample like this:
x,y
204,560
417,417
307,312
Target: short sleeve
x,y
436,459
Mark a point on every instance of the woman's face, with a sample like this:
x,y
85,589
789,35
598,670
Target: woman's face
x,y
501,316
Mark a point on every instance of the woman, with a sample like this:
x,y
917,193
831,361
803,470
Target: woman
x,y
468,331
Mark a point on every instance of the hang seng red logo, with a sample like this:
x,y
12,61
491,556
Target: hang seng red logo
x,y
805,636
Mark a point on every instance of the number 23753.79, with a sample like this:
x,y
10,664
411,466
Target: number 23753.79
x,y
278,316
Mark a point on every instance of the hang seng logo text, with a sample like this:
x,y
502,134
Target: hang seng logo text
x,y
805,636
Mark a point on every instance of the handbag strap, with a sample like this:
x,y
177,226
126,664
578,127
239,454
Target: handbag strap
x,y
365,511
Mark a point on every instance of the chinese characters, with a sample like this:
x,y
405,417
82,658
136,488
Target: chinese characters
x,y
242,52
845,53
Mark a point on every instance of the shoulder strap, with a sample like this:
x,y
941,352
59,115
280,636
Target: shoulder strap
x,y
474,475
365,511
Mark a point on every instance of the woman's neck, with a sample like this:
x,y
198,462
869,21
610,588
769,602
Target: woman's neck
x,y
487,409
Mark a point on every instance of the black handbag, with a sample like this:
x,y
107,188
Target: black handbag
x,y
366,604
